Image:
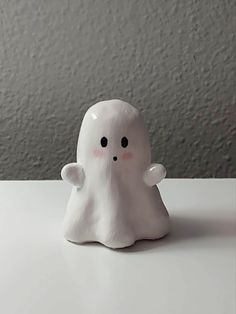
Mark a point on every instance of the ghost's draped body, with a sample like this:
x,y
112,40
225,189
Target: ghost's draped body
x,y
115,209
114,205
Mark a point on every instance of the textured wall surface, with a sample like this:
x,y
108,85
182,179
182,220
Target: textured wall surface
x,y
174,60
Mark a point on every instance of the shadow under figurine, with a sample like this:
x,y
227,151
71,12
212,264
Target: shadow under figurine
x,y
114,200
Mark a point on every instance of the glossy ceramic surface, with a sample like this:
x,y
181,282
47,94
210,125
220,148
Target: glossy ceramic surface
x,y
114,200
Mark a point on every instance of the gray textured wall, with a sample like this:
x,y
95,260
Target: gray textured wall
x,y
174,60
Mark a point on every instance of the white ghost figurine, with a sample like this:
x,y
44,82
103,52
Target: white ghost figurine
x,y
114,200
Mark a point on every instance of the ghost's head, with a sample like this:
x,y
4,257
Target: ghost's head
x,y
113,133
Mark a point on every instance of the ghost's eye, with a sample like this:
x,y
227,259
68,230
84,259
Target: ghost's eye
x,y
124,142
104,141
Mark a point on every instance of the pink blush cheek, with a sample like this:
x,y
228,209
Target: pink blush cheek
x,y
127,156
99,153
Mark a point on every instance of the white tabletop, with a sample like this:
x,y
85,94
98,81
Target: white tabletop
x,y
191,271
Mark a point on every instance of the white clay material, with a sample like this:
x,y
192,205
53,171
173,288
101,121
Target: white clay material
x,y
114,199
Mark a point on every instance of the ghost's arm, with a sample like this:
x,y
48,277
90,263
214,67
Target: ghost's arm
x,y
154,174
74,174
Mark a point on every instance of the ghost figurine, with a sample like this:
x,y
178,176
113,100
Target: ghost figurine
x,y
114,199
